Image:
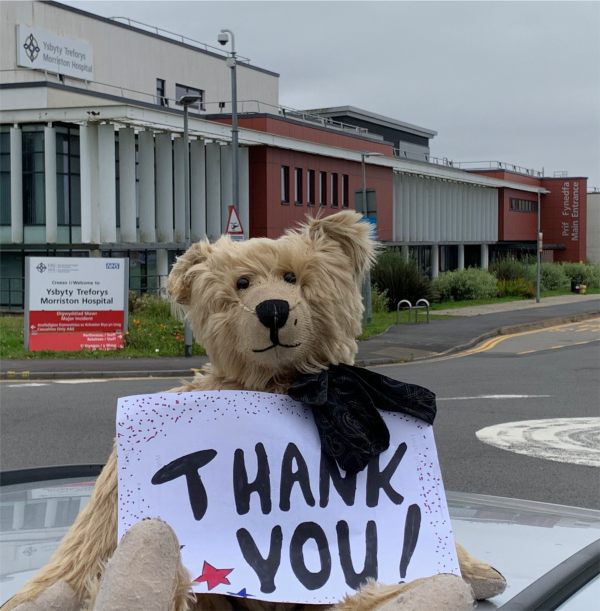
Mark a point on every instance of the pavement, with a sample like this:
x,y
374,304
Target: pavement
x,y
463,329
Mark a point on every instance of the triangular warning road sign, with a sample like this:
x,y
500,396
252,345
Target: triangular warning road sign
x,y
234,225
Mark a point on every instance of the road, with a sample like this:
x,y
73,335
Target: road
x,y
550,377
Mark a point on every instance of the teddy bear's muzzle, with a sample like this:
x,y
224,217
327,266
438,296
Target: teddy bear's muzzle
x,y
273,314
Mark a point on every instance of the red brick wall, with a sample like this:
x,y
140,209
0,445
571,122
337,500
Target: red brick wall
x,y
512,225
327,136
270,218
511,176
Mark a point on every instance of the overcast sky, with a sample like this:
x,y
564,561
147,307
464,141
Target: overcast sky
x,y
507,81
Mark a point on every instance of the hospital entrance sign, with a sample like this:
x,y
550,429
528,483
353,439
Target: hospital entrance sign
x,y
75,303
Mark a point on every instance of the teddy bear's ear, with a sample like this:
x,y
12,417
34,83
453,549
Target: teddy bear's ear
x,y
179,282
351,232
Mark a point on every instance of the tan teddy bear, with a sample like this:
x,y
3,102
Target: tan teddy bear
x,y
266,311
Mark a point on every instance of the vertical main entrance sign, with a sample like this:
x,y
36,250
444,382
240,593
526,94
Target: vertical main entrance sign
x,y
75,303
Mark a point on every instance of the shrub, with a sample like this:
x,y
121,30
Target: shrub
x,y
583,273
508,268
471,283
399,279
379,300
149,304
516,288
552,277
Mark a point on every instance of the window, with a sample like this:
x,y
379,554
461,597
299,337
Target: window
x,y
68,184
523,205
298,186
161,99
371,203
310,193
181,90
345,187
334,189
285,184
34,193
5,176
322,188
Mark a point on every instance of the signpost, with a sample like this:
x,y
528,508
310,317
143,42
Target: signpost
x,y
234,226
75,303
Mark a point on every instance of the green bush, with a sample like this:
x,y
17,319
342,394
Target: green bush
x,y
399,279
552,277
470,283
583,273
149,304
379,300
508,268
516,288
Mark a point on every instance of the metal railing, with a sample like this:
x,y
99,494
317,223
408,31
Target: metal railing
x,y
140,25
498,165
484,165
405,304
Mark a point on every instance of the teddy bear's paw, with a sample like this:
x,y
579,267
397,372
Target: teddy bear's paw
x,y
486,583
59,597
438,593
485,580
145,573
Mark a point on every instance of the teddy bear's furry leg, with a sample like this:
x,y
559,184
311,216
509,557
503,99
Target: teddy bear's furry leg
x,y
58,597
438,593
145,572
85,549
484,579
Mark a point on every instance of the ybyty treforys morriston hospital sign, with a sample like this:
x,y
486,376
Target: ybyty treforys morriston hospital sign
x,y
42,50
74,303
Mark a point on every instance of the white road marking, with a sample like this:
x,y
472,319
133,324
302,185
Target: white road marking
x,y
26,384
81,381
500,397
569,440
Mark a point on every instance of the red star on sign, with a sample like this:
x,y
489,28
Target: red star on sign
x,y
213,576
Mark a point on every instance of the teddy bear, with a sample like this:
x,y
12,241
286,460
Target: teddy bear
x,y
268,312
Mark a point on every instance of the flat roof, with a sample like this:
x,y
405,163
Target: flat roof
x,y
371,117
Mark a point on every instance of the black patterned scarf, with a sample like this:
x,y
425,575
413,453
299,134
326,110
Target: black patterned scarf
x,y
344,402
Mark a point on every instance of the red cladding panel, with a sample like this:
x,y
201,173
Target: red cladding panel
x,y
564,212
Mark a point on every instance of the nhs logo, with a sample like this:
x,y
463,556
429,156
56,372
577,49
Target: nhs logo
x,y
112,265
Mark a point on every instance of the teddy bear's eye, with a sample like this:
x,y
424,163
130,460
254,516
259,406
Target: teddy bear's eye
x,y
242,283
290,277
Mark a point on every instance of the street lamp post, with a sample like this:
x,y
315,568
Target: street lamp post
x,y
539,246
224,37
366,289
186,101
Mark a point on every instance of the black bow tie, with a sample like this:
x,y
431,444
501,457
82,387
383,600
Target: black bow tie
x,y
344,402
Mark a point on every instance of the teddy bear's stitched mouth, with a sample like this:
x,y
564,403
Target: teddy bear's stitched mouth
x,y
275,346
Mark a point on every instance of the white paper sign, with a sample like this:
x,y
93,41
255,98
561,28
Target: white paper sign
x,y
260,513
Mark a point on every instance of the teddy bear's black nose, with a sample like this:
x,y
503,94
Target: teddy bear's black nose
x,y
273,313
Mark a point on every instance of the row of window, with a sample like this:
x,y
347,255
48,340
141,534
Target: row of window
x,y
180,90
328,187
33,173
522,205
